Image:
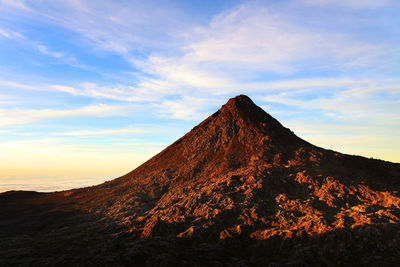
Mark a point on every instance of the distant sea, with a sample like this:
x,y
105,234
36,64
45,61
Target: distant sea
x,y
47,184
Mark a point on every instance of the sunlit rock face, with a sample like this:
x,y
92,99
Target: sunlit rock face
x,y
239,189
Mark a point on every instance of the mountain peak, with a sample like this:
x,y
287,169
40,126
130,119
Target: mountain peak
x,y
240,103
245,114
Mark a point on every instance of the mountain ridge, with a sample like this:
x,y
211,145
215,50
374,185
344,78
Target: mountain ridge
x,y
234,189
238,109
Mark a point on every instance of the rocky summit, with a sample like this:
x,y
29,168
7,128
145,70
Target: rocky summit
x,y
239,189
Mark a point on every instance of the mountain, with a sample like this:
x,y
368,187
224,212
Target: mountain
x,y
239,189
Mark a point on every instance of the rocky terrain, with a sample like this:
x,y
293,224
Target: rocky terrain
x,y
238,190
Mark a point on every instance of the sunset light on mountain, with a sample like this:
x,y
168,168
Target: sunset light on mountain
x,y
90,89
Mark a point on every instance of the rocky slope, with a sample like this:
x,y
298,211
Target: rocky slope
x,y
238,190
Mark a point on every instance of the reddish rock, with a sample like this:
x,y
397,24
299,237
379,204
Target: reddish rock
x,y
237,188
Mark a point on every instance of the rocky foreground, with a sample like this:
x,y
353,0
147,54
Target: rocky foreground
x,y
238,190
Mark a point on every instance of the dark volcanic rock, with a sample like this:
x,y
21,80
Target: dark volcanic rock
x,y
238,190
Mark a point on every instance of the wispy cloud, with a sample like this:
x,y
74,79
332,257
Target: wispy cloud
x,y
18,85
11,34
350,102
231,53
119,131
185,108
252,38
132,29
7,99
60,57
20,4
116,92
23,116
357,4
222,57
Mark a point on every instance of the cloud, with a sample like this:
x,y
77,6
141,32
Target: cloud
x,y
185,108
356,4
309,83
61,57
19,4
252,38
7,99
17,85
124,130
228,55
355,101
116,92
45,50
239,46
116,27
24,116
182,73
142,92
11,34
247,39
147,88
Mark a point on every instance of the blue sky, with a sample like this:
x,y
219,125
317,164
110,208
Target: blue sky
x,y
91,89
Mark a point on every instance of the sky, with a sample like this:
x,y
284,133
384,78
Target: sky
x,y
89,90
